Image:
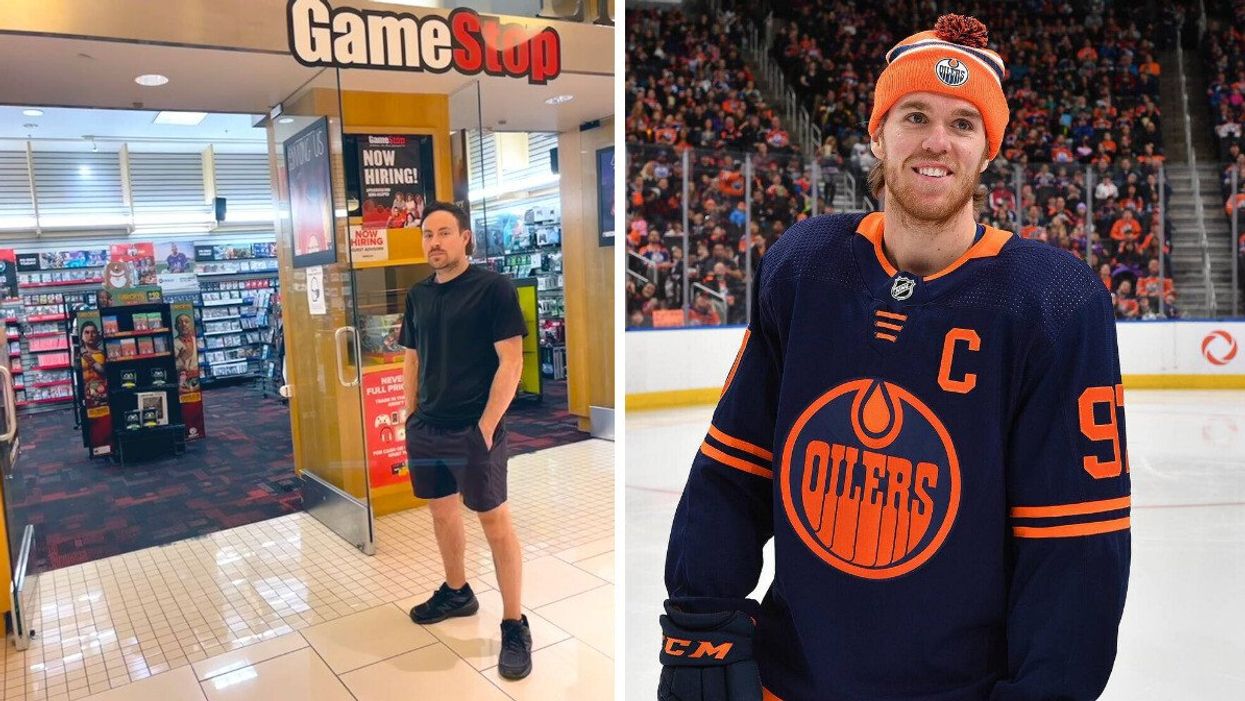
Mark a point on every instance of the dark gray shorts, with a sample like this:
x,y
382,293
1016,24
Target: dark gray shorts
x,y
449,461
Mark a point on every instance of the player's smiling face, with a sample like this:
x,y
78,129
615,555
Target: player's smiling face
x,y
933,147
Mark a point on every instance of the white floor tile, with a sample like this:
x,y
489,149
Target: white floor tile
x,y
588,617
178,685
249,655
433,672
549,579
298,676
599,566
567,671
366,637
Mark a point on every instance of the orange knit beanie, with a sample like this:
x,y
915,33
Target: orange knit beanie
x,y
952,59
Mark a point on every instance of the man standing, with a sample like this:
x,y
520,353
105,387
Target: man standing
x,y
926,416
463,332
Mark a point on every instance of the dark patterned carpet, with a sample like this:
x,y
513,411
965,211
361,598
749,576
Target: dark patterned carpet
x,y
242,473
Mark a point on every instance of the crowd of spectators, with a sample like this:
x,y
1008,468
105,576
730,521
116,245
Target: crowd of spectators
x,y
689,89
1083,88
1225,53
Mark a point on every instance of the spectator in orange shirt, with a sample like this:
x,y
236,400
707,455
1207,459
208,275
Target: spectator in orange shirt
x,y
1126,306
703,312
1126,228
1104,274
1150,67
1235,201
1153,285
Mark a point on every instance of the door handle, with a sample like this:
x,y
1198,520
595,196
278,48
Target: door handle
x,y
337,346
10,405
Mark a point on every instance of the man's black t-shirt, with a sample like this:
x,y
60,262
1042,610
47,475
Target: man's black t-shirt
x,y
453,326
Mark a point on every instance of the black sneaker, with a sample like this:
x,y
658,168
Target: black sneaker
x,y
446,603
515,660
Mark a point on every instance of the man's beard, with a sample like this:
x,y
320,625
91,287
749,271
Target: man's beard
x,y
902,194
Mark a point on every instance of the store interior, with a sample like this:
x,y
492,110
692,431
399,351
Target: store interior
x,y
188,206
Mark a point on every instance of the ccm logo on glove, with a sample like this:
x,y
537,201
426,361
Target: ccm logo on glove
x,y
678,648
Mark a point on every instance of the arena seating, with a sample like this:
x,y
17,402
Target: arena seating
x,y
1083,88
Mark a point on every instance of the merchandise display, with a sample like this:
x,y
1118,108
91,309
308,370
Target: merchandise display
x,y
126,365
525,242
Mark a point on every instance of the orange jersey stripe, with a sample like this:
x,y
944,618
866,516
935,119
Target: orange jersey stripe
x,y
767,695
886,337
989,245
737,463
871,228
884,325
1084,507
891,315
735,366
740,444
1070,530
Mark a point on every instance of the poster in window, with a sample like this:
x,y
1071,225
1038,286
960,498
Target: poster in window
x,y
311,196
389,179
605,195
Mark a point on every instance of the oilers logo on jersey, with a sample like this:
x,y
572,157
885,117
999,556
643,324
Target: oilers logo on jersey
x,y
870,479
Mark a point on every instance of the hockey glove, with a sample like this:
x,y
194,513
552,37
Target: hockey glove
x,y
707,657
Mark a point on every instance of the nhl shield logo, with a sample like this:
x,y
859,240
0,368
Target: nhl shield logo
x,y
951,72
902,288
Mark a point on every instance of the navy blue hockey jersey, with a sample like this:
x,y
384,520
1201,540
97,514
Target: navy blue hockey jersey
x,y
941,463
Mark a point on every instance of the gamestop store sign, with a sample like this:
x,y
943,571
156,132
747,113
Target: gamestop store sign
x,y
464,42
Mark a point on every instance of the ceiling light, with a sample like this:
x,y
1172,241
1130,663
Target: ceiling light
x,y
559,99
33,113
285,120
180,119
151,80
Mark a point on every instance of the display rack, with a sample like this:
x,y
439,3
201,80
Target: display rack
x,y
235,317
141,371
534,251
39,344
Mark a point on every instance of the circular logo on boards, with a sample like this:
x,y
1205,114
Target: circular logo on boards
x,y
870,479
951,72
1219,347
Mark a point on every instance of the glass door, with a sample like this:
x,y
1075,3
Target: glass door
x,y
22,588
320,311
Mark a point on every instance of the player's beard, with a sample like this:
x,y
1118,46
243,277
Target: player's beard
x,y
902,193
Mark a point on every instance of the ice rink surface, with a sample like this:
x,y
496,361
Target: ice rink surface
x,y
1183,633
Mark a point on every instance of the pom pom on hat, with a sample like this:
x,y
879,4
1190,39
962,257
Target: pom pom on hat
x,y
965,31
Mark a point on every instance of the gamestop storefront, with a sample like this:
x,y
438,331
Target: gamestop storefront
x,y
372,110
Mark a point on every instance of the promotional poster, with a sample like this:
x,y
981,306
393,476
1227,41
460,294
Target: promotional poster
x,y
8,273
175,257
142,260
97,422
392,179
186,353
311,196
605,195
384,407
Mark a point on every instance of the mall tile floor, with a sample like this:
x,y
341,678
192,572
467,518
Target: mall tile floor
x,y
283,609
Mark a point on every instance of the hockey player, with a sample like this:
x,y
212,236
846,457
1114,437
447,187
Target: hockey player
x,y
926,416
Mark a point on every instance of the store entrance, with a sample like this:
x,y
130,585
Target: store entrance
x,y
235,208
141,301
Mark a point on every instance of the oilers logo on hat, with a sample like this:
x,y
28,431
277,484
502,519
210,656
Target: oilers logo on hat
x,y
951,72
